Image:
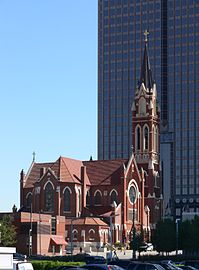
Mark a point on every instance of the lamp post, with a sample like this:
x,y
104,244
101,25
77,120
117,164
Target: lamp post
x,y
71,237
111,238
40,232
30,232
147,211
133,241
111,235
177,234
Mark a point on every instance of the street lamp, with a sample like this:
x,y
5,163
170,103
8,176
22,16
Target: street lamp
x,y
133,241
177,234
147,211
30,232
111,235
71,237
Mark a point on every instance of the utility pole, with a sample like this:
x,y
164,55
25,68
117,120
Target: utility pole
x,y
133,241
71,238
177,236
111,239
30,232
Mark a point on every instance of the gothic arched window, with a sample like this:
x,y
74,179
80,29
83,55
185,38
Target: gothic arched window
x,y
91,234
157,139
98,198
49,197
146,138
142,106
29,200
79,200
113,197
88,198
75,234
67,200
154,138
138,134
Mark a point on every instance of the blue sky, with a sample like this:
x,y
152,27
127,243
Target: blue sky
x,y
48,85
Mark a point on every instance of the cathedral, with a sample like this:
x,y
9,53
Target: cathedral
x,y
68,203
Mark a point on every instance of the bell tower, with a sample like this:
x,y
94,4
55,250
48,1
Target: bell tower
x,y
146,134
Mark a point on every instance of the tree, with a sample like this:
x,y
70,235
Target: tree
x,y
189,230
136,239
7,231
164,238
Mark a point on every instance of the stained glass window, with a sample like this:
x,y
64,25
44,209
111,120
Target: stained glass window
x,y
67,203
49,197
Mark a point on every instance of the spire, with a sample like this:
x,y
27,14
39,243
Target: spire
x,y
146,74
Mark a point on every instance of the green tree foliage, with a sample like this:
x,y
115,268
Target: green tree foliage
x,y
189,230
138,240
7,231
164,238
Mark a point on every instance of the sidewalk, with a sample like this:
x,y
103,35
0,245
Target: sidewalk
x,y
120,254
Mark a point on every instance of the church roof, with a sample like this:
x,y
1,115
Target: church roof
x,y
102,210
146,73
68,170
103,171
87,221
34,173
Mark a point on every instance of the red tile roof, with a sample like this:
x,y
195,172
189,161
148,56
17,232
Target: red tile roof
x,y
68,170
100,210
103,171
34,173
87,221
58,240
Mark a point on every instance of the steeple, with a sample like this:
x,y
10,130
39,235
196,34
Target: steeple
x,y
146,74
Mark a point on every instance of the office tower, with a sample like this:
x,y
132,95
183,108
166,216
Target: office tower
x,y
173,43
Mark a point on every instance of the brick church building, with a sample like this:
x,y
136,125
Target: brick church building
x,y
71,203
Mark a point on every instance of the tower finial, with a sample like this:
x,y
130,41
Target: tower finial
x,y
33,156
146,33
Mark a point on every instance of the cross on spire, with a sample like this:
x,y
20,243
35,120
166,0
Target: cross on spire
x,y
33,155
146,33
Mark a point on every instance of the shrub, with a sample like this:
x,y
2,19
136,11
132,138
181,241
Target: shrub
x,y
45,265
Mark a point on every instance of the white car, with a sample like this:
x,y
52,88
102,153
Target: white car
x,y
146,247
21,265
149,247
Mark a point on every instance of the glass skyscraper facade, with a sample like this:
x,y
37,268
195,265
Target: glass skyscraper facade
x,y
174,56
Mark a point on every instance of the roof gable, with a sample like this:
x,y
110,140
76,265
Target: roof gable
x,y
103,171
65,169
132,163
33,174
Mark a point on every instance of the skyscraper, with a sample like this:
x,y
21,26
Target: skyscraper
x,y
174,54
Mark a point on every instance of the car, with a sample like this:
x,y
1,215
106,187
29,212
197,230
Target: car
x,y
66,267
167,265
187,267
121,262
145,247
194,263
21,265
19,257
94,259
144,266
95,266
149,247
